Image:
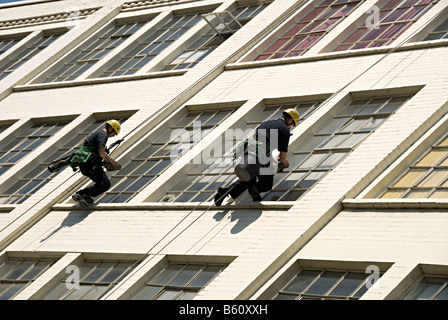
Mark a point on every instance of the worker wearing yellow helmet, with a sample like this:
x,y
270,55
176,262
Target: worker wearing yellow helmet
x,y
257,176
90,157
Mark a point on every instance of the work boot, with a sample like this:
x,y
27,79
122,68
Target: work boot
x,y
83,199
221,195
253,191
56,166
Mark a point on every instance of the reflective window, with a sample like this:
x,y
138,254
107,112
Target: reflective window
x,y
26,54
325,285
13,150
312,26
96,278
426,177
429,288
441,32
330,144
178,282
153,45
85,57
223,25
6,44
16,274
39,176
217,169
160,151
396,16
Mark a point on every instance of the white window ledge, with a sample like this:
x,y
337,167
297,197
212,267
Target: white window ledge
x,y
264,205
395,204
337,55
39,86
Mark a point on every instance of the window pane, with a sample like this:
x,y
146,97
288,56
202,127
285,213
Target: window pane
x,y
347,286
78,292
301,281
147,293
410,178
99,271
185,275
205,276
57,292
325,282
168,294
186,295
11,291
95,293
425,289
442,295
434,178
167,274
432,158
117,271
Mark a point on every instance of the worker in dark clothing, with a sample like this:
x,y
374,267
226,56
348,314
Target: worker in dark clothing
x,y
90,158
271,134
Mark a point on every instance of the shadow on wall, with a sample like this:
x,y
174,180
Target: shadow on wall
x,y
74,217
243,218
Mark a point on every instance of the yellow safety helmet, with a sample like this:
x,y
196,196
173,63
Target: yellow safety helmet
x,y
115,125
293,114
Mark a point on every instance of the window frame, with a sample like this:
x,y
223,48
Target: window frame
x,y
226,175
53,72
327,152
164,287
97,261
13,61
16,188
20,280
210,39
11,140
292,269
303,10
359,24
157,133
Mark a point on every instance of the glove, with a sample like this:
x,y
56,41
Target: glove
x,y
108,166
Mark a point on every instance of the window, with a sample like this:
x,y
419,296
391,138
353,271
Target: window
x,y
429,288
178,282
6,44
311,284
96,278
425,178
26,54
223,25
34,180
3,127
396,16
202,181
25,142
16,274
161,151
152,45
441,32
330,145
84,58
313,25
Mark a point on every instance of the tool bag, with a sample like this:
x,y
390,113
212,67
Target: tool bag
x,y
249,166
250,145
81,155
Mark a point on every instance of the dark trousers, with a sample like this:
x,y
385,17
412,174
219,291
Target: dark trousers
x,y
264,183
95,172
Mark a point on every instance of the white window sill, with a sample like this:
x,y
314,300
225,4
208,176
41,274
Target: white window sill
x,y
395,204
74,83
339,54
264,205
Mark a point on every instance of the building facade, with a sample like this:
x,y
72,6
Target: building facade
x,y
361,213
